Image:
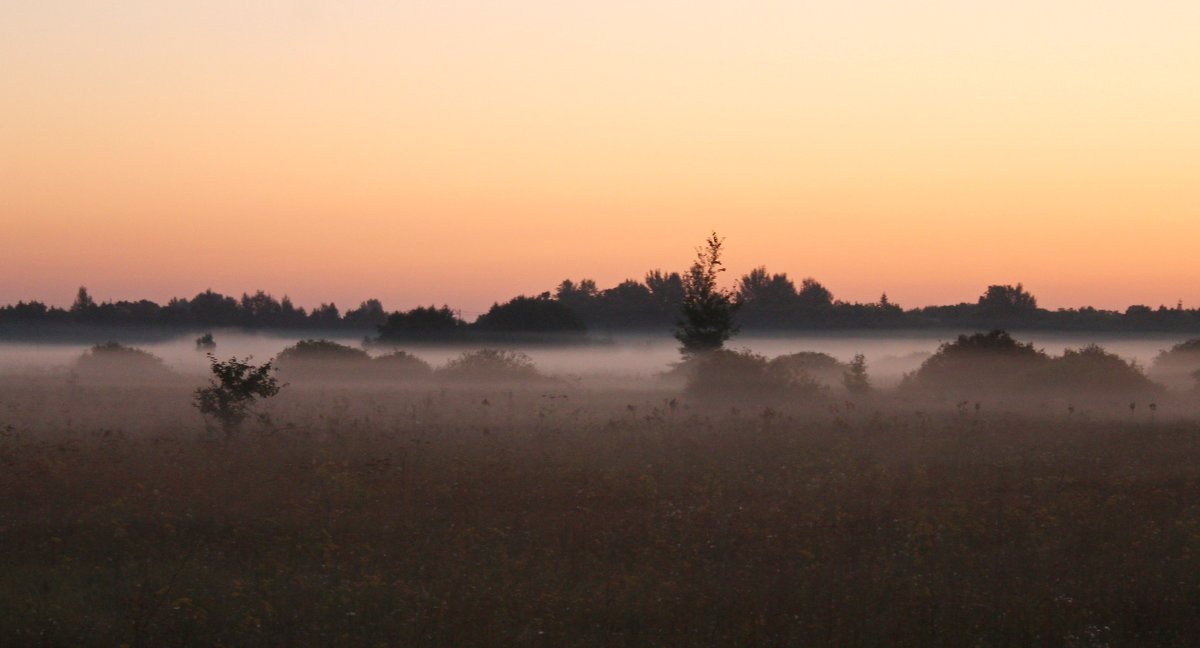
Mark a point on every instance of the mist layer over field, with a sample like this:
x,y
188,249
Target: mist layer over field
x,y
889,354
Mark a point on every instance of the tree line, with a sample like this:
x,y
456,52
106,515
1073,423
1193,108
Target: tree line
x,y
766,302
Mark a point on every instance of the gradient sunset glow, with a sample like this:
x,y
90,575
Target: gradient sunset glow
x,y
465,152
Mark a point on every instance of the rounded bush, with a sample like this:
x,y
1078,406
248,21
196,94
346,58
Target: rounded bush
x,y
399,364
1091,371
724,375
315,359
822,367
115,361
490,365
976,364
1177,367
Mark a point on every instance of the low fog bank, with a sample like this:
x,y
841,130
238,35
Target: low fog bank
x,y
888,354
121,387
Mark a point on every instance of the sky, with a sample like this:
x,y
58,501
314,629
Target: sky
x,y
465,152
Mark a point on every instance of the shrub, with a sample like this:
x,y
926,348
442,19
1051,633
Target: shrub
x,y
399,364
321,350
206,342
855,378
978,362
1092,371
321,358
724,375
1176,366
821,366
490,364
233,390
115,361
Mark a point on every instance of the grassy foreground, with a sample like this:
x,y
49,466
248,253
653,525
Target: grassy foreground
x,y
444,520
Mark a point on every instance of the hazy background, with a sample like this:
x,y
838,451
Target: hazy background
x,y
463,152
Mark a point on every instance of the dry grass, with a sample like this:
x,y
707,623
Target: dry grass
x,y
550,518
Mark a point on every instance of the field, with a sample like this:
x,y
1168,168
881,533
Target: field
x,y
566,516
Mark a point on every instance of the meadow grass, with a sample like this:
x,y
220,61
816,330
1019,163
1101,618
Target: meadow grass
x,y
544,518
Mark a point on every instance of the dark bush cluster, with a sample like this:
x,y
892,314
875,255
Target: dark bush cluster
x,y
726,376
402,365
822,367
310,360
490,365
1094,372
995,363
113,361
978,362
325,359
1178,366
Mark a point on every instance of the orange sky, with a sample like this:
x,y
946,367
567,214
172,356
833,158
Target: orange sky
x,y
465,152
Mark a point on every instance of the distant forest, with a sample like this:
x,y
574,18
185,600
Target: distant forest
x,y
769,303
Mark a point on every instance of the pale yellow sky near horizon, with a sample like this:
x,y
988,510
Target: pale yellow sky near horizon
x,y
465,152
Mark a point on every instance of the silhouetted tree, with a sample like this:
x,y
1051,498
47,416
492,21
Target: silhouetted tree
x,y
290,315
531,314
260,309
368,314
231,393
214,309
325,316
421,323
813,296
1007,300
83,301
176,313
569,291
583,299
139,312
767,300
33,310
666,290
666,293
84,309
708,310
855,377
886,305
757,288
629,304
629,295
